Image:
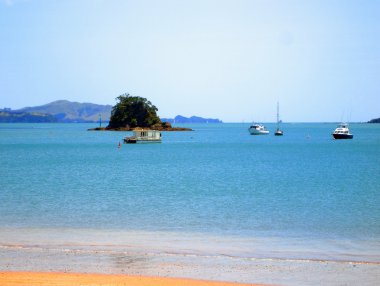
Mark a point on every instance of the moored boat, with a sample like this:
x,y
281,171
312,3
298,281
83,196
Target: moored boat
x,y
257,129
144,136
278,131
342,132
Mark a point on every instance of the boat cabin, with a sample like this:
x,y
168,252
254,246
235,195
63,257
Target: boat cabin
x,y
342,129
144,136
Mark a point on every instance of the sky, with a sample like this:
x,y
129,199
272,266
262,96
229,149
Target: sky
x,y
232,60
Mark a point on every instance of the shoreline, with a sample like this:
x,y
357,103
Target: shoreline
x,y
94,279
140,128
260,261
176,268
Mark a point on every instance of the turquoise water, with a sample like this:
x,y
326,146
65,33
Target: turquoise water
x,y
216,181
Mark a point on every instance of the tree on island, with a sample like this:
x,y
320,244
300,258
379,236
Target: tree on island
x,y
133,111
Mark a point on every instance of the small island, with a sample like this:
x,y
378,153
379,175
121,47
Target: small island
x,y
136,113
376,120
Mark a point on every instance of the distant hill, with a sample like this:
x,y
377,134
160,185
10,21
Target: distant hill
x,y
67,111
27,117
192,119
376,120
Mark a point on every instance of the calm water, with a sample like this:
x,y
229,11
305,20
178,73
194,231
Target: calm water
x,y
300,189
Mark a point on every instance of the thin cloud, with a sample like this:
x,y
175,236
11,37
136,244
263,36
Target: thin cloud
x,y
12,2
8,2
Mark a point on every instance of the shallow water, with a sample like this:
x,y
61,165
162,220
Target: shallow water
x,y
214,191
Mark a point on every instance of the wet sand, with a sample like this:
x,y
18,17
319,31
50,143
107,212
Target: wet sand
x,y
66,279
23,267
144,255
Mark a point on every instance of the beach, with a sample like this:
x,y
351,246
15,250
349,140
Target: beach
x,y
204,272
117,253
69,279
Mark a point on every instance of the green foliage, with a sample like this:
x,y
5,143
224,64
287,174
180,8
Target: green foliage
x,y
133,111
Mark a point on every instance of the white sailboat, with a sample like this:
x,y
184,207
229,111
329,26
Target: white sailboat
x,y
278,132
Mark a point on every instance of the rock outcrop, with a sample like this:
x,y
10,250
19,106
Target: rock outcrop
x,y
164,126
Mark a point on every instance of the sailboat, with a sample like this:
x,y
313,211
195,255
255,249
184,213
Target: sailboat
x,y
278,132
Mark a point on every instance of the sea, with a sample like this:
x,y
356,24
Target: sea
x,y
215,191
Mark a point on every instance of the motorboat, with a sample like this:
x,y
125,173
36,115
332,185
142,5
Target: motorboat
x,y
257,129
342,132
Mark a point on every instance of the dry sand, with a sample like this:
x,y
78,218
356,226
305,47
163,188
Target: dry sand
x,y
66,279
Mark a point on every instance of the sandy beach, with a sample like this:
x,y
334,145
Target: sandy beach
x,y
32,266
66,279
28,254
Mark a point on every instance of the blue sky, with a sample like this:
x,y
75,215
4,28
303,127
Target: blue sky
x,y
231,60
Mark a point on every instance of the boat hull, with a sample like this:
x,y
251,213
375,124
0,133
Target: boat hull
x,y
278,133
255,132
343,136
140,141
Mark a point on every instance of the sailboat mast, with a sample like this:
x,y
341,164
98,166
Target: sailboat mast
x,y
278,114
